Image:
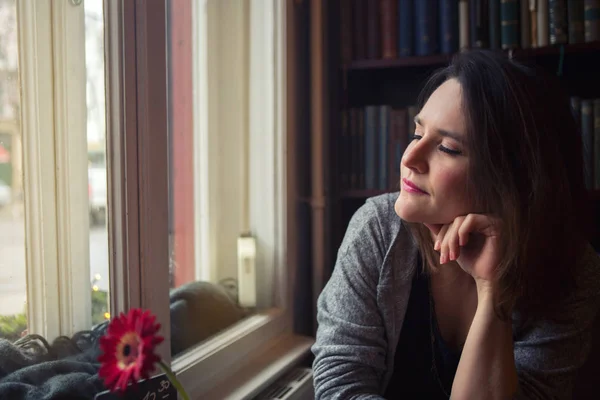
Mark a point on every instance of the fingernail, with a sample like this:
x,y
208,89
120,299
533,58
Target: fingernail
x,y
442,258
436,246
452,256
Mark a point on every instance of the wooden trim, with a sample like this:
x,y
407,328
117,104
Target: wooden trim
x,y
289,125
137,157
181,129
318,146
153,162
121,156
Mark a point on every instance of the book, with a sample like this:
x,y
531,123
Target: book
x,y
448,26
557,21
510,11
575,21
591,20
389,26
426,27
405,28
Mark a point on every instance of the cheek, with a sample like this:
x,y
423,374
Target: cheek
x,y
451,183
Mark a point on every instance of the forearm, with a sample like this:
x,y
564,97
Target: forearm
x,y
487,367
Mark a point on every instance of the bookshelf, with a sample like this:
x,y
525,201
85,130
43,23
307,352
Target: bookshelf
x,y
385,78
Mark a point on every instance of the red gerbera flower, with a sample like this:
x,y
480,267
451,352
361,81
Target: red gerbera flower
x,y
128,348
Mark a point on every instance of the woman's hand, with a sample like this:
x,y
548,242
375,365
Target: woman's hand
x,y
473,241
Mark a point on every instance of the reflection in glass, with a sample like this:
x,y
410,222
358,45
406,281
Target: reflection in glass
x,y
13,285
204,295
97,174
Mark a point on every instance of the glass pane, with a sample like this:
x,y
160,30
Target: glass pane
x,y
97,174
13,285
208,129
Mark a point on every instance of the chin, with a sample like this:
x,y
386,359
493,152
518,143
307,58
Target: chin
x,y
408,211
413,210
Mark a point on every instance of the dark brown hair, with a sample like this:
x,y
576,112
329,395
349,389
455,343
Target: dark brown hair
x,y
525,167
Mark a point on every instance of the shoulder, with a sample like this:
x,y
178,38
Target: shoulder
x,y
373,232
376,217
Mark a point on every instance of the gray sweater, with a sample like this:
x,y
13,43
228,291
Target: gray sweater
x,y
362,307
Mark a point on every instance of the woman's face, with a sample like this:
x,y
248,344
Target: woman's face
x,y
434,166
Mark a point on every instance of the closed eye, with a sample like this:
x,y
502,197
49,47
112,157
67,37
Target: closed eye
x,y
445,149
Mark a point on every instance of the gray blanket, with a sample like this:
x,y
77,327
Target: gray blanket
x,y
32,369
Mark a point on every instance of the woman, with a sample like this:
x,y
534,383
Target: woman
x,y
476,280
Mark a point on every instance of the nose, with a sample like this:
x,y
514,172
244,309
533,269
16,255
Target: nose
x,y
415,156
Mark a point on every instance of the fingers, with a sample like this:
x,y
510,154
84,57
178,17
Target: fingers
x,y
450,248
484,224
451,237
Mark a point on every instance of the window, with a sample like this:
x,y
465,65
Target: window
x,y
49,191
13,292
174,199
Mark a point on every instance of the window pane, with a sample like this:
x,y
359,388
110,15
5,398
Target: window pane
x,y
208,50
97,174
13,289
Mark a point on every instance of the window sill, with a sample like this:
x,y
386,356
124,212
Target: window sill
x,y
262,369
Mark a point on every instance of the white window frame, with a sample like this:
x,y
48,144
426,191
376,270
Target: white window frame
x,y
53,121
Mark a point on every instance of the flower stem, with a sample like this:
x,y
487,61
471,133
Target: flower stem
x,y
174,380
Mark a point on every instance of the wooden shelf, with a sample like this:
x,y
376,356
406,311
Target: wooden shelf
x,y
363,193
412,61
441,59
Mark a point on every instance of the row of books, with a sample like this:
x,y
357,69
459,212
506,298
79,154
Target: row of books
x,y
375,29
371,143
373,138
588,111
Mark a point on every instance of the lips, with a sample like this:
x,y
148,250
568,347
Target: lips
x,y
411,187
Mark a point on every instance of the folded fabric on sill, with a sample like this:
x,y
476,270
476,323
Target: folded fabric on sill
x,y
66,370
33,369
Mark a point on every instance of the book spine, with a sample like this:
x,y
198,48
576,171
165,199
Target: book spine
x,y
596,154
576,108
398,143
575,16
426,26
495,30
389,26
354,164
448,26
533,23
542,23
479,23
591,20
359,19
405,28
373,30
411,114
557,21
371,117
384,144
525,27
343,149
346,39
587,137
463,24
509,14
360,148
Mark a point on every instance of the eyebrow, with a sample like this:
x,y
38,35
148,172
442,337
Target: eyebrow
x,y
452,135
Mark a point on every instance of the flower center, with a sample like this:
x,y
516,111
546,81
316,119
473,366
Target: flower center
x,y
128,350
